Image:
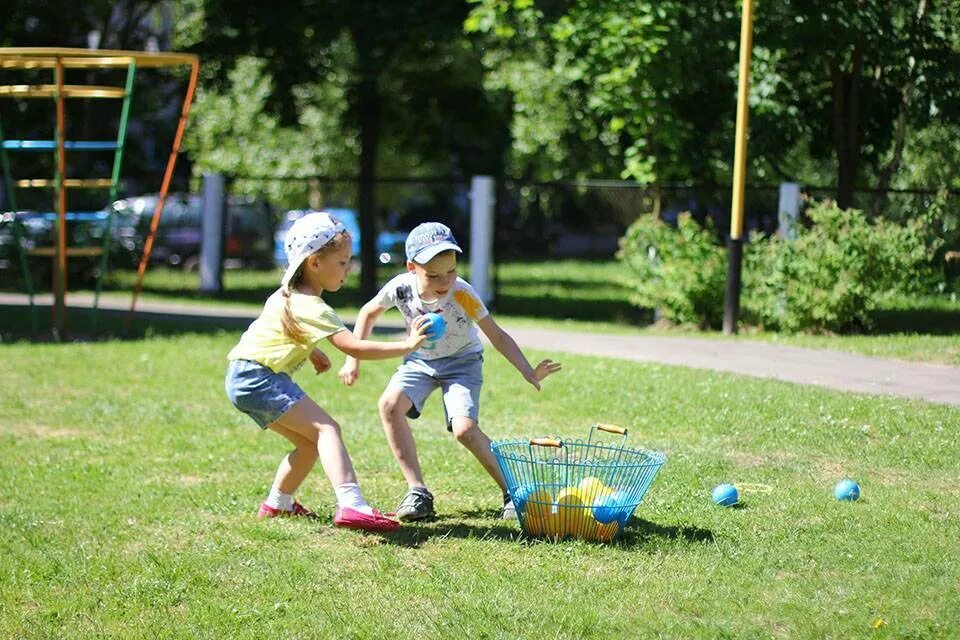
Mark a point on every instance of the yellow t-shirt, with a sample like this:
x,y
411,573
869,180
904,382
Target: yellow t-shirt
x,y
265,342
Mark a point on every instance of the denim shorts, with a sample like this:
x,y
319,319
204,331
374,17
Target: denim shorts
x,y
259,392
458,376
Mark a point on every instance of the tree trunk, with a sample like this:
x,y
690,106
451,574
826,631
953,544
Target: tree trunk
x,y
900,135
846,126
369,106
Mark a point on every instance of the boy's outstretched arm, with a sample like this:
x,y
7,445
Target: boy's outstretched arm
x,y
366,319
508,347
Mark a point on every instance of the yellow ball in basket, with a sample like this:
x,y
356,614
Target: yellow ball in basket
x,y
539,504
592,488
553,527
572,511
570,496
606,532
533,525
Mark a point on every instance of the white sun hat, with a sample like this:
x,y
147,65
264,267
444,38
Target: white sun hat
x,y
305,237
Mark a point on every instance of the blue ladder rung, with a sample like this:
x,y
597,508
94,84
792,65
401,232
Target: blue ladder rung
x,y
70,215
51,145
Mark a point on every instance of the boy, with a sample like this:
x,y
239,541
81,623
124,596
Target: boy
x,y
453,362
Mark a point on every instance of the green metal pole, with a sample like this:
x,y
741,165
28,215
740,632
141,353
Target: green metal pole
x,y
114,182
17,233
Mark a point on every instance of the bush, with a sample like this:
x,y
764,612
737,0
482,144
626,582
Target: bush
x,y
680,272
834,273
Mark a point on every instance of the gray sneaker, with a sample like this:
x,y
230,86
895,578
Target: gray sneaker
x,y
509,511
416,505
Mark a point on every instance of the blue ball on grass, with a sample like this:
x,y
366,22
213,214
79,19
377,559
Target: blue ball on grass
x,y
725,495
846,490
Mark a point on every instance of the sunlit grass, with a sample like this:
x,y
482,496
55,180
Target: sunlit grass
x,y
128,484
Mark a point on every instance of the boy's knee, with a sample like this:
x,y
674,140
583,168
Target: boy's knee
x,y
465,430
391,404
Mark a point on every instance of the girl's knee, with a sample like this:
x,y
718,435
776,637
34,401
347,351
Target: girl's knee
x,y
328,426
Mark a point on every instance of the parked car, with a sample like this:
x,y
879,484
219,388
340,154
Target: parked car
x,y
390,244
250,225
37,233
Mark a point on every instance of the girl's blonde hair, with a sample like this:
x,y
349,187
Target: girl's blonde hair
x,y
291,327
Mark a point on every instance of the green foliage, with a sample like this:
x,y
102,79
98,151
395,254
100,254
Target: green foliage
x,y
232,132
678,271
833,275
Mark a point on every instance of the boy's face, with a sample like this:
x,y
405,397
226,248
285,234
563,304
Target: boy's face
x,y
435,278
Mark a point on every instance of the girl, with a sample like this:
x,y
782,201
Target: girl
x,y
293,321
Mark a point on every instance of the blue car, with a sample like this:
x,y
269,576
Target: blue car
x,y
390,244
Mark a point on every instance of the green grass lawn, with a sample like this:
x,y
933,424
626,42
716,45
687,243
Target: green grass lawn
x,y
128,486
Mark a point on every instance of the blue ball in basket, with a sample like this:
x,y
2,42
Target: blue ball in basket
x,y
438,327
520,495
846,490
725,495
610,507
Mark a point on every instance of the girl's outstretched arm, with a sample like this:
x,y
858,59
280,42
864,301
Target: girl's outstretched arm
x,y
506,345
368,316
373,350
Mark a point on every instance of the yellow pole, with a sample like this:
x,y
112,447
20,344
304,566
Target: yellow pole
x,y
732,303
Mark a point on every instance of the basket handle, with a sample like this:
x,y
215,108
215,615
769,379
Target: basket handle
x,y
546,442
611,428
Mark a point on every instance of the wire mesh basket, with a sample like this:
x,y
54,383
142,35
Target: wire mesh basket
x,y
576,488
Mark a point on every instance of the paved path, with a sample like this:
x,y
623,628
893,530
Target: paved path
x,y
821,367
825,368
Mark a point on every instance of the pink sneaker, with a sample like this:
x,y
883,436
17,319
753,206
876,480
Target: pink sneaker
x,y
266,511
347,517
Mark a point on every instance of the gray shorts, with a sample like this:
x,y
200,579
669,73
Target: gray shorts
x,y
259,392
459,377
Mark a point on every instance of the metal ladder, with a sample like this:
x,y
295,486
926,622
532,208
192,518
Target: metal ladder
x,y
59,92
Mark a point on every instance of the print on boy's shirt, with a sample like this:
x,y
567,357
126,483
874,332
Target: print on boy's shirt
x,y
468,303
404,297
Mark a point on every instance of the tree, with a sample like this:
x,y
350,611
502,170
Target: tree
x,y
398,61
647,89
605,87
862,75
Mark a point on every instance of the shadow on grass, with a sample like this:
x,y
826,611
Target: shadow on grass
x,y
638,533
111,325
930,321
571,307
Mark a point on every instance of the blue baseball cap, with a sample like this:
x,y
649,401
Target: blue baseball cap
x,y
427,240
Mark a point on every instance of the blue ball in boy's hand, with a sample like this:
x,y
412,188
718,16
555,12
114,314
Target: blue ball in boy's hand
x,y
438,326
725,495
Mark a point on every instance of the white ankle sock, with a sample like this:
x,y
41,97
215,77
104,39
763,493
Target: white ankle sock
x,y
349,495
279,500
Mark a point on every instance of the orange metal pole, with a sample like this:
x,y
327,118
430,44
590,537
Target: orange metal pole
x,y
60,302
167,177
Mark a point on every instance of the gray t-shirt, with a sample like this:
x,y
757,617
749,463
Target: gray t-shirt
x,y
461,308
